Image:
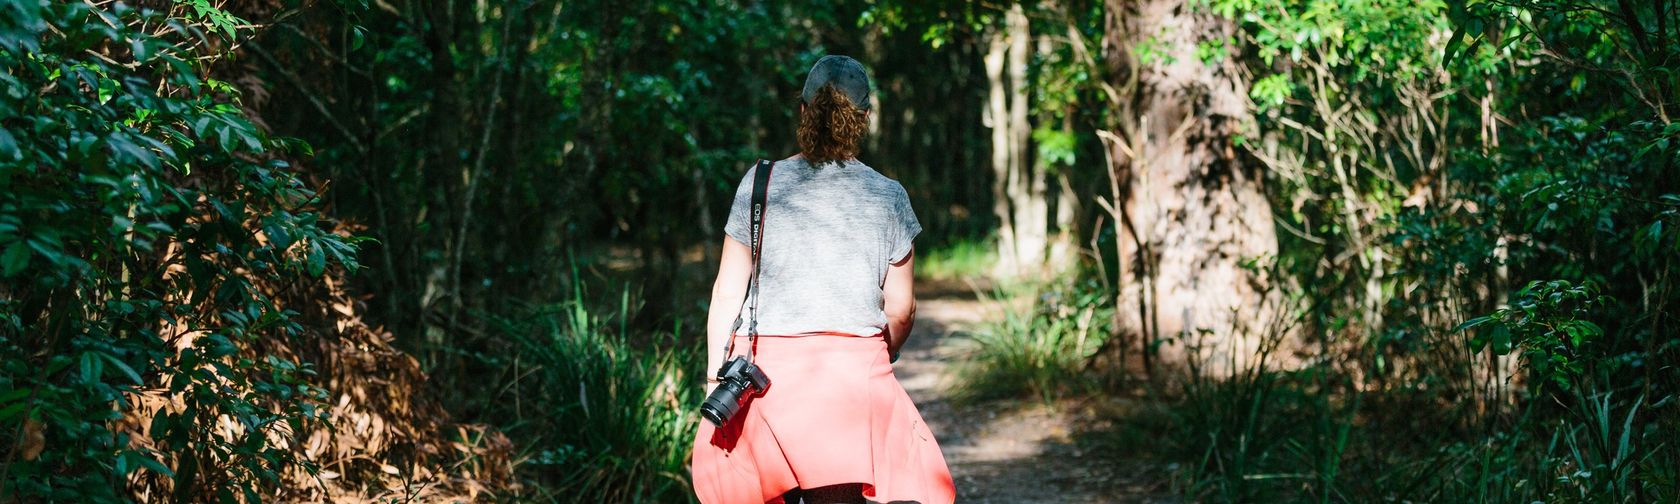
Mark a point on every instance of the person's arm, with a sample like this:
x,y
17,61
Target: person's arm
x,y
734,270
899,301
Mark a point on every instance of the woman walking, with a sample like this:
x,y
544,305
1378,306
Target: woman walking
x,y
831,305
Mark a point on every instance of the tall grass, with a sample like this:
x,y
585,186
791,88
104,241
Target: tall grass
x,y
1038,349
605,419
1276,436
1310,435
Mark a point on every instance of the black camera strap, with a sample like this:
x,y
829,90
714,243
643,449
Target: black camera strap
x,y
760,199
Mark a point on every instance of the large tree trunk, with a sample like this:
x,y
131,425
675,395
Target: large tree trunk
x,y
1189,212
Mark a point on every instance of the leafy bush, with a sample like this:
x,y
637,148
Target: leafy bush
x,y
145,226
1548,321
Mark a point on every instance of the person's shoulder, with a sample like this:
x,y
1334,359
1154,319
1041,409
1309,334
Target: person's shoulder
x,y
788,166
783,162
878,181
752,169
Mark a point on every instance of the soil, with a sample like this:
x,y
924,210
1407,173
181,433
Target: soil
x,y
1016,451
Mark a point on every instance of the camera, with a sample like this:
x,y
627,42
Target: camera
x,y
738,380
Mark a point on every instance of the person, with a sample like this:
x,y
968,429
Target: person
x,y
834,308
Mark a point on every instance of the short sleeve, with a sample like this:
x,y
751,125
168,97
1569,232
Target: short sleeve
x,y
904,227
740,211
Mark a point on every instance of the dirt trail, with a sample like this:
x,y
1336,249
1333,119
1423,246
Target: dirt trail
x,y
1009,451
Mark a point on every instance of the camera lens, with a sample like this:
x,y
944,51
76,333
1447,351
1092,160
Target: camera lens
x,y
723,403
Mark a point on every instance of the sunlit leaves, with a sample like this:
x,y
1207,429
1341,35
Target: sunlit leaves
x,y
1271,91
1608,46
1056,147
218,19
1365,38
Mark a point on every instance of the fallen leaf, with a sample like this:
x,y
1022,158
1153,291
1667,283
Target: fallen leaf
x,y
34,439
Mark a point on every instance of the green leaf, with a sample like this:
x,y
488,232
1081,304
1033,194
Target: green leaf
x,y
277,235
11,410
57,363
224,137
1465,25
1501,338
248,136
1472,323
107,89
153,464
141,51
317,260
14,259
92,368
14,395
9,147
122,366
201,126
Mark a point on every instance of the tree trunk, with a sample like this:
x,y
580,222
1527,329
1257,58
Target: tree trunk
x,y
1191,211
1019,199
442,161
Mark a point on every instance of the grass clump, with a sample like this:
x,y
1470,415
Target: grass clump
x,y
1039,346
609,418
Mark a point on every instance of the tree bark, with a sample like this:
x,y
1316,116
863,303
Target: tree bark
x,y
997,118
1019,188
1192,211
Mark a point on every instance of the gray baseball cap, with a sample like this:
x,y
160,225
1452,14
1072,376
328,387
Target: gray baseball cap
x,y
845,73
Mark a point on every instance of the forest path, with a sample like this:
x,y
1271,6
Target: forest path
x,y
1015,451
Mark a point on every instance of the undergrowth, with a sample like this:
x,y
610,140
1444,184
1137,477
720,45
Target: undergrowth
x,y
608,416
1275,437
1038,349
1312,433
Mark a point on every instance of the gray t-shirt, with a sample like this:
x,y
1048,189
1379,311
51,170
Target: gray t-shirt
x,y
830,233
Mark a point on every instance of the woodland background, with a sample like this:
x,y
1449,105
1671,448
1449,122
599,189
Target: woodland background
x,y
1355,250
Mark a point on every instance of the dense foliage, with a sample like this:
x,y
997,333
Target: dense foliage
x,y
145,222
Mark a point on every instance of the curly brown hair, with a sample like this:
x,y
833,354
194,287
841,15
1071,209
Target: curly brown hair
x,y
830,126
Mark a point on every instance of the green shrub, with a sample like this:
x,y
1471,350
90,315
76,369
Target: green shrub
x,y
145,227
